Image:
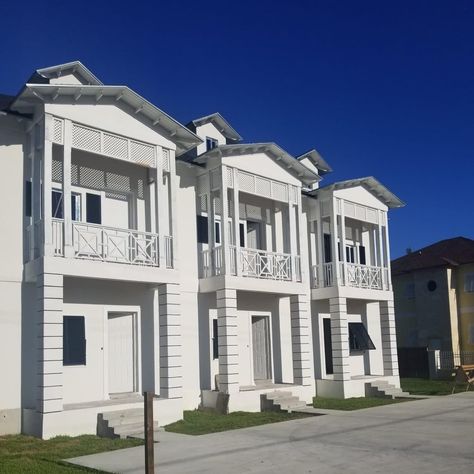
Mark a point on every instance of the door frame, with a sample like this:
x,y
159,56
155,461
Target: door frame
x,y
137,346
270,330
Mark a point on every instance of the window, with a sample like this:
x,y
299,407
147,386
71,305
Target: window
x,y
217,232
28,203
215,339
93,208
431,285
350,255
410,290
469,283
211,143
327,248
75,206
57,204
362,259
359,339
74,340
202,231
242,234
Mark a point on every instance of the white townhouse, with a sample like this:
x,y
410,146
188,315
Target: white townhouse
x,y
140,254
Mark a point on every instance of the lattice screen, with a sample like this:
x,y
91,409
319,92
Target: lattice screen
x,y
58,130
166,160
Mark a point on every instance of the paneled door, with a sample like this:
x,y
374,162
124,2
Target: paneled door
x,y
121,352
262,367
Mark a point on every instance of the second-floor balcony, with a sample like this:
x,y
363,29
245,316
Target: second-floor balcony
x,y
253,263
350,274
103,243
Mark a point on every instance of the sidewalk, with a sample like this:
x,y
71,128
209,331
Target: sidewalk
x,y
424,436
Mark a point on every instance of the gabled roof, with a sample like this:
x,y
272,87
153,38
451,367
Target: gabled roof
x,y
220,123
74,67
304,174
372,185
317,160
158,120
449,252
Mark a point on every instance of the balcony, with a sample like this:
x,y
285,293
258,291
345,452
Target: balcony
x,y
353,275
105,244
251,263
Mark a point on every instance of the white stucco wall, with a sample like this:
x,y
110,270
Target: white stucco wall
x,y
11,256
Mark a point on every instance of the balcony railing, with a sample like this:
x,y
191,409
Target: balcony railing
x,y
359,276
110,244
102,243
251,263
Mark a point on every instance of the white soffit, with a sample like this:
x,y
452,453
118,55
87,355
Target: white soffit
x,y
287,161
159,120
372,185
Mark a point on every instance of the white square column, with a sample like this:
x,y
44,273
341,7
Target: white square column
x,y
389,338
171,359
49,392
340,339
301,339
228,341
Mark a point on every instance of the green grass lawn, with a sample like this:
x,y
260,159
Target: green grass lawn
x,y
25,454
202,422
429,387
351,403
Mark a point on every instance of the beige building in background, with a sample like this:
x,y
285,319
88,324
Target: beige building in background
x,y
434,296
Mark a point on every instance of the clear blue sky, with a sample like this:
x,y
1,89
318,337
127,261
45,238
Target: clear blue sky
x,y
379,88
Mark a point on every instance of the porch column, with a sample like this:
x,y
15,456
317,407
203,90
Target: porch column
x,y
159,212
387,251
380,250
334,235
224,220
340,338
36,236
293,242
228,341
301,338
47,178
389,338
171,384
343,242
49,395
173,208
319,246
236,229
67,210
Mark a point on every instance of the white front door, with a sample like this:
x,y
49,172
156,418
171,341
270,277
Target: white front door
x,y
261,347
121,352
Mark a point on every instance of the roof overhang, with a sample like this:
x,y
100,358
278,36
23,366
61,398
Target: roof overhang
x,y
74,67
157,119
220,123
317,160
287,161
372,185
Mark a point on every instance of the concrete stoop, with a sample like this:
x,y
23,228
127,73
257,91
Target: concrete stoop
x,y
383,389
280,400
122,424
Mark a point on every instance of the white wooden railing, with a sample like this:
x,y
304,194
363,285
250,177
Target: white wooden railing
x,y
110,244
252,263
362,276
355,275
57,227
323,275
98,242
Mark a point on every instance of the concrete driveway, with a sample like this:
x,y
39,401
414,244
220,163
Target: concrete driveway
x,y
435,435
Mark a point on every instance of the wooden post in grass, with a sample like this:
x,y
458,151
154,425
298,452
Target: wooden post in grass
x,y
149,452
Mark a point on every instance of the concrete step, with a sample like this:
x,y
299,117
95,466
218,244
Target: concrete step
x,y
277,394
122,414
125,431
